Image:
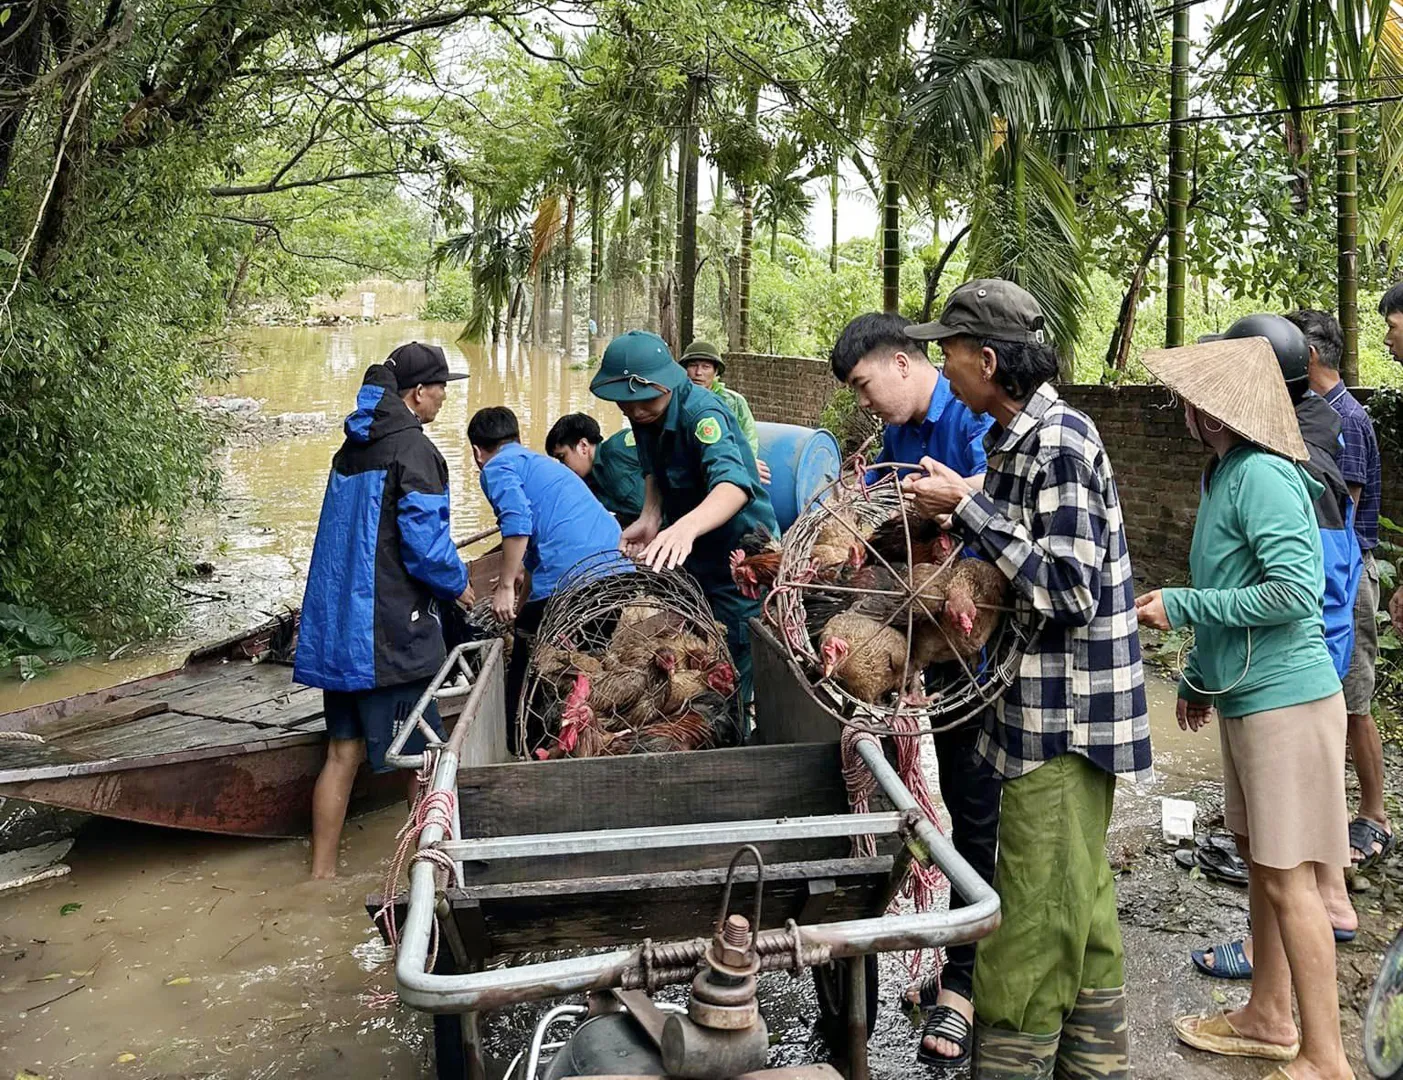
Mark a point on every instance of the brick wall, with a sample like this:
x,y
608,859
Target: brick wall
x,y
1157,464
781,389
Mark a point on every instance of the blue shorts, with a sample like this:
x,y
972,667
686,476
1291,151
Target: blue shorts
x,y
377,716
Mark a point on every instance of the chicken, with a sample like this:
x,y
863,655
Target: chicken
x,y
641,637
753,574
561,665
576,716
867,658
974,593
842,528
687,684
929,542
708,721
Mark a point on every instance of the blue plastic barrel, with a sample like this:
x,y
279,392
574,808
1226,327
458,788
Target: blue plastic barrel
x,y
802,462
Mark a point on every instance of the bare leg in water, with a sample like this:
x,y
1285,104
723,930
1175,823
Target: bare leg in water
x,y
329,800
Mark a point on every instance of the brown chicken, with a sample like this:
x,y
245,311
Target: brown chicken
x,y
560,666
974,593
842,528
867,658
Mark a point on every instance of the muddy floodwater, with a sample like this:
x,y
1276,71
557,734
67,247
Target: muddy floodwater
x,y
171,955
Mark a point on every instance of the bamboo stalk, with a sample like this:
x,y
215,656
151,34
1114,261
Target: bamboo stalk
x,y
1347,231
1178,180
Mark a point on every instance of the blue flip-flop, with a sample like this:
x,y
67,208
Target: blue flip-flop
x,y
1229,961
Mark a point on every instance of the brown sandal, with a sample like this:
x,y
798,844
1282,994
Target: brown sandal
x,y
1216,1035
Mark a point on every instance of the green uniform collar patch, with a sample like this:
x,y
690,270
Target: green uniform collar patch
x,y
708,430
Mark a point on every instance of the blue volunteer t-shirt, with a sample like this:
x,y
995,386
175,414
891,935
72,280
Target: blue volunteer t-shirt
x,y
538,497
950,433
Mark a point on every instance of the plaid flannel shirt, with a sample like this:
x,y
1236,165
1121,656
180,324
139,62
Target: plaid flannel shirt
x,y
1050,518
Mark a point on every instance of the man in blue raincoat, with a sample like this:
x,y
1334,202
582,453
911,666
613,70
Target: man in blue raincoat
x,y
382,562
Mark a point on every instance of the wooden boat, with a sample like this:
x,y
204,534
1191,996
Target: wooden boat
x,y
225,743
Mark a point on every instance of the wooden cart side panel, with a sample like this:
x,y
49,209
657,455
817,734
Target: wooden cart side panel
x,y
786,710
533,917
522,798
665,912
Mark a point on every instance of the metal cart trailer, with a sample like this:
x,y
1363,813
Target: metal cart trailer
x,y
630,857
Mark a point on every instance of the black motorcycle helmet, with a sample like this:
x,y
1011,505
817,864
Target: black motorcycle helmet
x,y
1287,341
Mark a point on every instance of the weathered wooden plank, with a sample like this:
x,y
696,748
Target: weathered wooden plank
x,y
821,892
99,717
786,710
652,789
651,861
669,907
293,708
247,686
164,734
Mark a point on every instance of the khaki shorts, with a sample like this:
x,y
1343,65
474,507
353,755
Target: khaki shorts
x,y
1284,783
1359,680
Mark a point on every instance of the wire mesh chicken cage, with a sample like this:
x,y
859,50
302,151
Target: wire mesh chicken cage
x,y
859,565
627,660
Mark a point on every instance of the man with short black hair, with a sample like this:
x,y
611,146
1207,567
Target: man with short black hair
x,y
891,375
369,635
549,522
1370,835
609,466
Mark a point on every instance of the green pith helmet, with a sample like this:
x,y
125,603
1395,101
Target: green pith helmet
x,y
704,350
636,366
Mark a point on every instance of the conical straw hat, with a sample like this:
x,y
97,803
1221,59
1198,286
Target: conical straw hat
x,y
1238,382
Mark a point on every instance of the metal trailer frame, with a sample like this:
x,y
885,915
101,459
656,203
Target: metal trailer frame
x,y
649,965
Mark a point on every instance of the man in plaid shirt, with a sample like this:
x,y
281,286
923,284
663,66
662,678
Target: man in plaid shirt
x,y
1050,982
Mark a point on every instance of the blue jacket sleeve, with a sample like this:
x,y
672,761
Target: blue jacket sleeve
x,y
426,544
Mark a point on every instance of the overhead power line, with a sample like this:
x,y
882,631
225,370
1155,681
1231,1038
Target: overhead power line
x,y
1251,114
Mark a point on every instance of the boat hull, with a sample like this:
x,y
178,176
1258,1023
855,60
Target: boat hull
x,y
265,793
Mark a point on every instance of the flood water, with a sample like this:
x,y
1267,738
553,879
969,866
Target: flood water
x,y
172,955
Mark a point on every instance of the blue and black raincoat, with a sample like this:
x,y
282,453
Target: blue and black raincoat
x,y
383,557
1334,513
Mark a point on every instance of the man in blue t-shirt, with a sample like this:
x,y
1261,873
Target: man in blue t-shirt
x,y
895,380
550,520
893,377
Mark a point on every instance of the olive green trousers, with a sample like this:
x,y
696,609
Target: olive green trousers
x,y
1060,934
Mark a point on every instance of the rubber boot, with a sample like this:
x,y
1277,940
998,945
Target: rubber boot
x,y
1001,1054
1095,1038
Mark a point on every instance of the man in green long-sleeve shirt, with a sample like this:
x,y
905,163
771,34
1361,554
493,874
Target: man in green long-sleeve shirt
x,y
704,368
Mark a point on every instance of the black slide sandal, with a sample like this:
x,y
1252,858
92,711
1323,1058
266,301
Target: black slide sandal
x,y
944,1022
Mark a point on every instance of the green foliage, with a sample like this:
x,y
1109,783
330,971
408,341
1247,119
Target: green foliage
x,y
32,638
452,297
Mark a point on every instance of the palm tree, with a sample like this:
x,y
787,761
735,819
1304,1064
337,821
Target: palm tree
x,y
995,77
1296,43
500,254
784,199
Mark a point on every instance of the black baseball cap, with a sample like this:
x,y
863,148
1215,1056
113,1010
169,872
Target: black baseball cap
x,y
417,364
986,308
